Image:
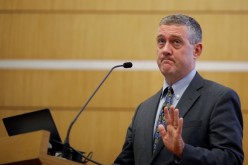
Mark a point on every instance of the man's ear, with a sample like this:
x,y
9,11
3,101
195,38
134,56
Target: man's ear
x,y
197,50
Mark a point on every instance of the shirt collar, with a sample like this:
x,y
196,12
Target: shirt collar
x,y
180,86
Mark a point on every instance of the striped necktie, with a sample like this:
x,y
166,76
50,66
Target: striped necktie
x,y
167,103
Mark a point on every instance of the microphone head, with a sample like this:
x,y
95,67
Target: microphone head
x,y
127,65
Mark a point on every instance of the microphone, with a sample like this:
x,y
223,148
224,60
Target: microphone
x,y
127,65
67,151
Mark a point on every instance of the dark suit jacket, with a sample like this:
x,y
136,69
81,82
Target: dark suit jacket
x,y
212,129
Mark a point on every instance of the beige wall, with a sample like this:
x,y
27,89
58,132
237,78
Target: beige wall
x,y
106,30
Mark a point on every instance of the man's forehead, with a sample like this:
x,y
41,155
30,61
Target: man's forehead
x,y
173,30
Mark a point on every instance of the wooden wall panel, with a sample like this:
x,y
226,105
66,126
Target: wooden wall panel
x,y
72,88
146,5
111,36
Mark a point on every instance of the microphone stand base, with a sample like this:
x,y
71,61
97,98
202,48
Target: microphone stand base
x,y
71,154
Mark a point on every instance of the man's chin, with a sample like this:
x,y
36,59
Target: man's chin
x,y
167,68
167,72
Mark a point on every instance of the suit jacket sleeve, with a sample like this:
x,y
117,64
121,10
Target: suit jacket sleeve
x,y
225,133
127,154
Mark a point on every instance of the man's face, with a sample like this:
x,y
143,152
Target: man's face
x,y
175,54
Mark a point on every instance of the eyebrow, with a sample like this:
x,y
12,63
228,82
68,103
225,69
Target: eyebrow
x,y
159,36
172,36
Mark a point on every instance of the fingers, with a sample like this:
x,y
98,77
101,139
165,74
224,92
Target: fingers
x,y
167,116
175,118
172,134
172,117
180,126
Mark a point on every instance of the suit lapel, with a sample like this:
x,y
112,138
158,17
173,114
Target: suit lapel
x,y
190,95
149,124
160,145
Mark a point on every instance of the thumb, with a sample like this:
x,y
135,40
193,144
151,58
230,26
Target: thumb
x,y
161,130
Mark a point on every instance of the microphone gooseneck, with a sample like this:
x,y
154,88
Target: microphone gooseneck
x,y
66,148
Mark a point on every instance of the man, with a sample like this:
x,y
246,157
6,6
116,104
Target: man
x,y
206,125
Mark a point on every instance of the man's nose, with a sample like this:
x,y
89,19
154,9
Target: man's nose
x,y
167,49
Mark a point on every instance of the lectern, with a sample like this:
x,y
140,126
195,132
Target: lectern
x,y
29,149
